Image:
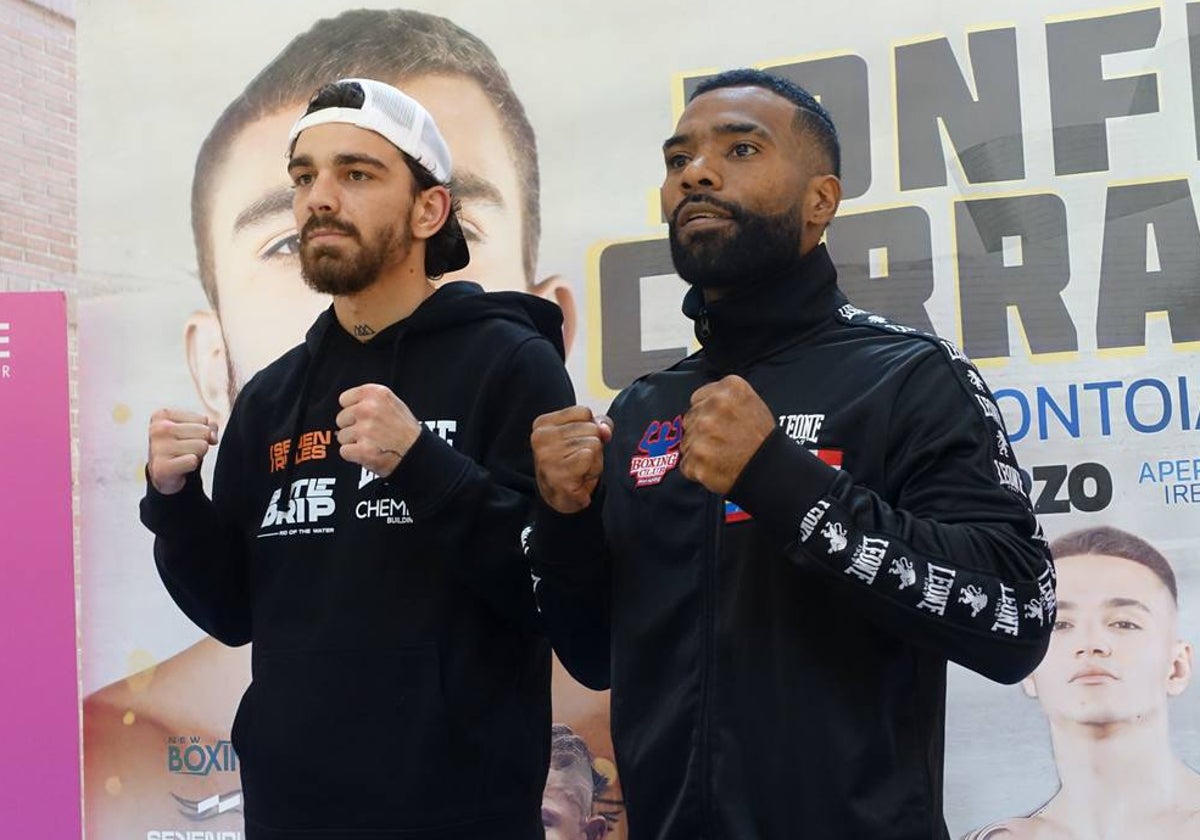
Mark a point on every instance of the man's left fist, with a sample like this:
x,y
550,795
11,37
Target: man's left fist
x,y
724,427
375,428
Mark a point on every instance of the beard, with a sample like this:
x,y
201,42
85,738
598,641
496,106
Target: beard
x,y
331,270
759,246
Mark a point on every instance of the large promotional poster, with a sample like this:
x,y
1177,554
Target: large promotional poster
x,y
1018,178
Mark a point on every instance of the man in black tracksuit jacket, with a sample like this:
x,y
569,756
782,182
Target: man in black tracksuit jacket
x,y
772,548
367,508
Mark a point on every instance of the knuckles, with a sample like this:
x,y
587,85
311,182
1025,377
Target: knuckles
x,y
160,425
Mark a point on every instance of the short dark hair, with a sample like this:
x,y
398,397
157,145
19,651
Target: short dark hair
x,y
447,242
570,754
811,116
1113,542
386,44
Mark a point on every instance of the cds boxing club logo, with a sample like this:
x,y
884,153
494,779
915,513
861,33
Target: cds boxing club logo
x,y
658,451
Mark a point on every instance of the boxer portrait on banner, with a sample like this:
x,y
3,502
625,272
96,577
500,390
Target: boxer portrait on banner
x,y
569,800
1115,660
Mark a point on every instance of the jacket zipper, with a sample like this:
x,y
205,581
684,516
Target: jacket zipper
x,y
712,547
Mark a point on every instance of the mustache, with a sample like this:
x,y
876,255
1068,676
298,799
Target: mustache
x,y
316,223
735,211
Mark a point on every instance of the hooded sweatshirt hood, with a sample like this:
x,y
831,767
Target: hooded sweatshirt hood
x,y
455,303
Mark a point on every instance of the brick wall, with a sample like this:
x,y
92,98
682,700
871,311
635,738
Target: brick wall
x,y
37,145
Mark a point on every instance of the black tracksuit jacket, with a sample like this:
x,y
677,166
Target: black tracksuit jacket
x,y
401,685
777,657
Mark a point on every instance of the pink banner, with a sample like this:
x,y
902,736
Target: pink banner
x,y
39,711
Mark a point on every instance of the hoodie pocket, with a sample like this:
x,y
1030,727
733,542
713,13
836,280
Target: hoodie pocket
x,y
346,739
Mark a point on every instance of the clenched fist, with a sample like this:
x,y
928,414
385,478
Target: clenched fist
x,y
568,456
375,428
722,430
179,440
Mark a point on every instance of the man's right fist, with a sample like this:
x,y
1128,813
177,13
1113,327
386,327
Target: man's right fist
x,y
179,441
568,456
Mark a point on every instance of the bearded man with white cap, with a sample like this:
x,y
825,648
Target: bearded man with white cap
x,y
364,527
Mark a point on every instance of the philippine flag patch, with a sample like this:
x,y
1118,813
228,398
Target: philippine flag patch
x,y
733,513
832,457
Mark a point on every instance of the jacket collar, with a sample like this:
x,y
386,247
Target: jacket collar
x,y
766,314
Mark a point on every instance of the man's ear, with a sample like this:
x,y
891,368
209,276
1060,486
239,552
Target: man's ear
x,y
824,197
1181,669
595,828
555,288
429,211
204,345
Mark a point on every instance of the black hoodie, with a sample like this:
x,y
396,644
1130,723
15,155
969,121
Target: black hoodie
x,y
777,658
400,689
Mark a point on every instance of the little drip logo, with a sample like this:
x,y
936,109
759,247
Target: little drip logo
x,y
658,451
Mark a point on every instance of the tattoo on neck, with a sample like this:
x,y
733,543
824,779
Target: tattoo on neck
x,y
363,330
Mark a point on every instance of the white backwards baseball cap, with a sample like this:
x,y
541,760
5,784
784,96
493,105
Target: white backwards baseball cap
x,y
403,122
